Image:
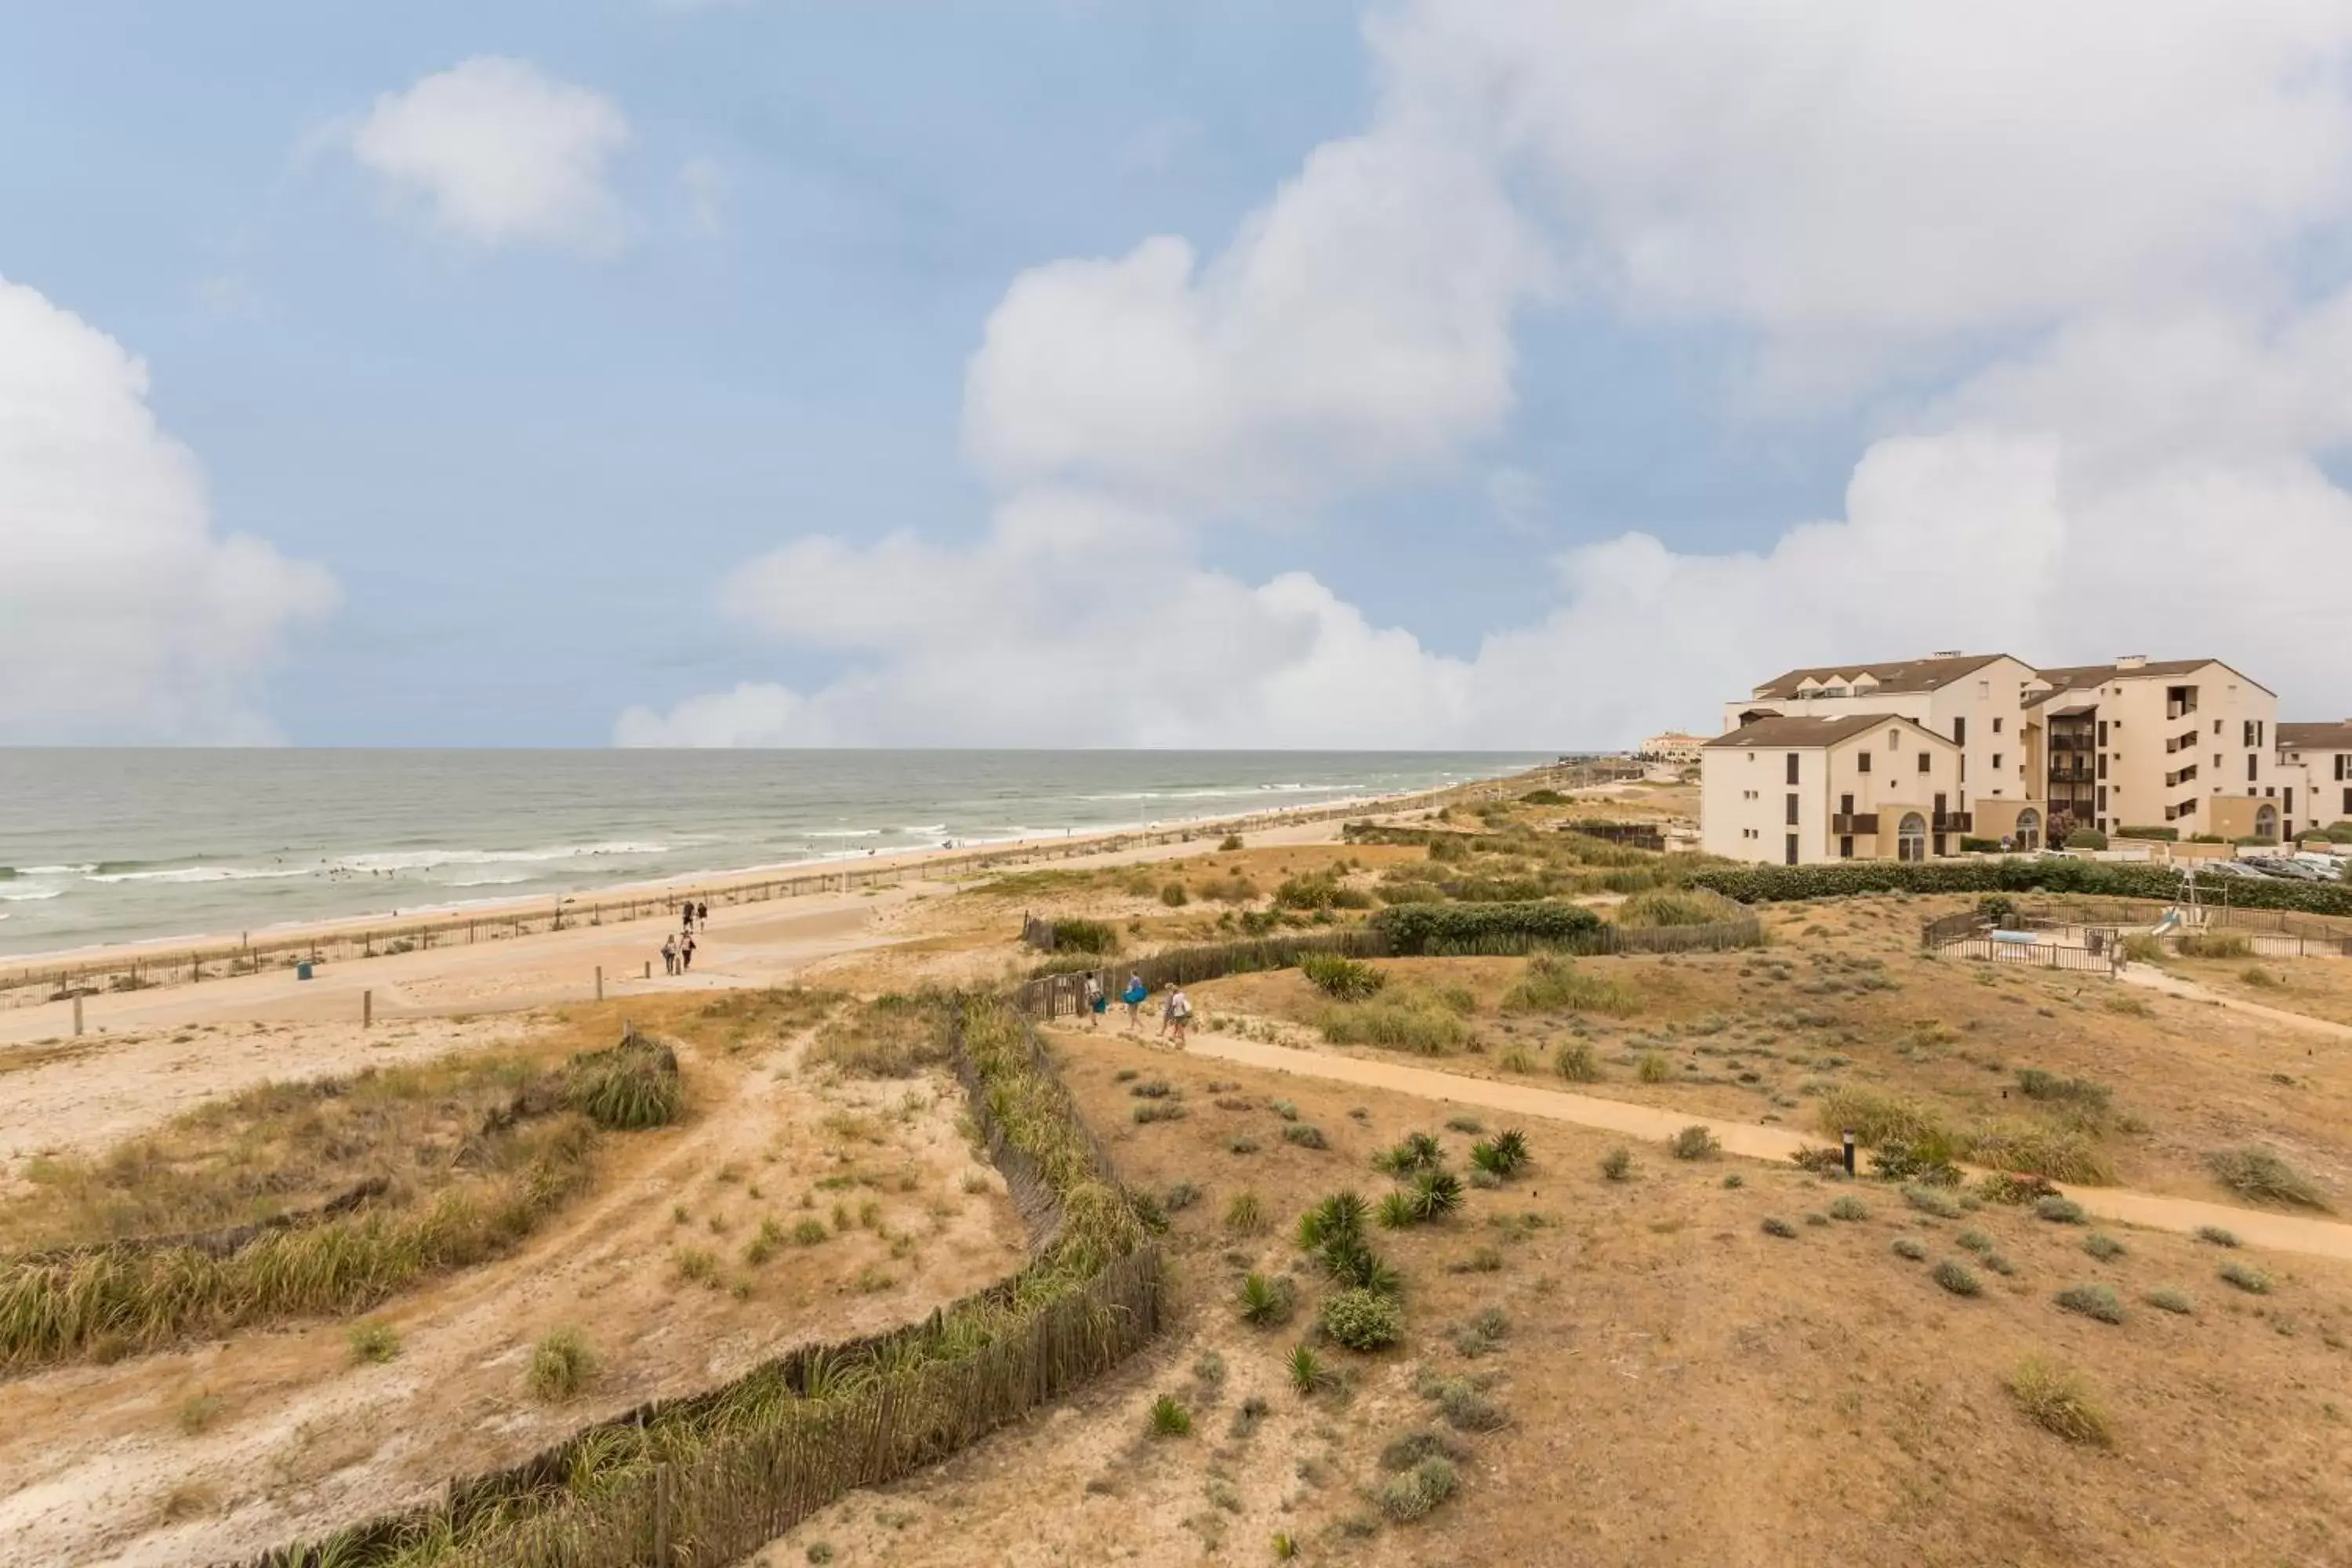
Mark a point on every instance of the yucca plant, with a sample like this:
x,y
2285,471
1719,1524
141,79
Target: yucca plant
x,y
1266,1302
1503,1154
1398,1210
1308,1373
1436,1193
1338,1216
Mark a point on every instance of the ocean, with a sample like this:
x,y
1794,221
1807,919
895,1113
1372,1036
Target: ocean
x,y
110,846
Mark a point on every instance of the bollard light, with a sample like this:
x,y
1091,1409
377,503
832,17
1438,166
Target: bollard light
x,y
1848,1138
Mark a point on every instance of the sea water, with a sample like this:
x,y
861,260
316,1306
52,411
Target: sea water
x,y
107,845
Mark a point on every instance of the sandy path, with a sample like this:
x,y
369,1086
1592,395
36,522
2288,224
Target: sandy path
x,y
2155,979
2283,1233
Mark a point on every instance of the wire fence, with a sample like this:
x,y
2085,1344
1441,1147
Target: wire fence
x,y
2038,955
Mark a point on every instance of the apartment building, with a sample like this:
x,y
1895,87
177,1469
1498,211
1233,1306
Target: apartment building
x,y
1671,746
2189,744
2315,767
1810,788
1976,701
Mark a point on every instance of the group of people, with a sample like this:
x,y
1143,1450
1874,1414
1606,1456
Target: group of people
x,y
677,951
1175,1013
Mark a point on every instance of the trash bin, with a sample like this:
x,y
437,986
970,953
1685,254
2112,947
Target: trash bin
x,y
302,970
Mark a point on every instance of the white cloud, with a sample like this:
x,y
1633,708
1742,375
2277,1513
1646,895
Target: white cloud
x,y
705,186
500,153
2104,214
123,615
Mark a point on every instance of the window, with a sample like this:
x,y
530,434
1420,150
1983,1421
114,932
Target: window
x,y
2248,733
1984,689
1893,739
1845,847
1996,726
2217,726
1792,767
2347,803
2103,732
1790,851
1792,811
2290,797
1926,762
2102,764
1846,805
2250,761
2339,767
1996,759
2217,759
1959,731
2103,798
1862,761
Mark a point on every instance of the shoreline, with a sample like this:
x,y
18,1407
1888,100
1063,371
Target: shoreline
x,y
19,970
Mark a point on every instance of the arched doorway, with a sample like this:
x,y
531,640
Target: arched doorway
x,y
2266,821
2029,829
1911,837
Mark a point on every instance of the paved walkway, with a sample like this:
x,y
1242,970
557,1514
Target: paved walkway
x,y
2281,1233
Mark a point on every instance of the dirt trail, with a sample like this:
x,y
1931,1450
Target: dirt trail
x,y
2155,979
2283,1233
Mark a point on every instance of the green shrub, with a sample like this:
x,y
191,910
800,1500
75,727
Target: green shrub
x,y
1085,936
2059,1211
2162,834
1419,1152
1229,843
1440,928
1466,1409
1848,1207
1404,1019
561,1363
1754,884
1977,845
1501,1155
1676,907
1245,1214
2166,1298
2246,1278
2086,838
1308,1373
2215,944
1320,891
628,1088
375,1341
1341,979
1907,1248
1617,1165
1576,1063
1173,895
1551,983
2102,1247
1168,1418
2086,1094
1775,1225
1413,1495
2215,1236
2096,1302
1694,1142
2259,1174
1954,1277
1653,1068
1363,1319
1305,1135
1929,1200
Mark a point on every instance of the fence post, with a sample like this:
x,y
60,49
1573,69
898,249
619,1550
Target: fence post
x,y
367,1009
76,1015
600,983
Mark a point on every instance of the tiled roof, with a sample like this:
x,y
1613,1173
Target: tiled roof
x,y
1895,675
2320,737
2076,676
1805,730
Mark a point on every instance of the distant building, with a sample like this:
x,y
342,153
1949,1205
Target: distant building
x,y
1671,746
1856,787
2189,744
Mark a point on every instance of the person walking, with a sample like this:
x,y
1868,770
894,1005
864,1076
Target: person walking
x,y
1133,997
1097,1003
685,953
1179,1014
702,915
669,956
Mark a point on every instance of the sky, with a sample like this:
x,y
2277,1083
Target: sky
x,y
1107,372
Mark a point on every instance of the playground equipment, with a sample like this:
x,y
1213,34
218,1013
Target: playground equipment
x,y
2170,922
2015,938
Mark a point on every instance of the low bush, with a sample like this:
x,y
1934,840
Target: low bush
x,y
1466,1408
2161,834
1694,1142
1849,1208
1305,1135
1576,1062
628,1088
1403,1019
2215,1236
1341,979
1308,1373
1320,891
1954,1277
1170,1418
1229,843
2086,1094
2259,1174
1085,936
373,1342
2166,1298
1932,1201
2086,838
1907,1248
1363,1319
2102,1247
1501,1155
2214,944
1775,1225
1551,983
1245,1214
2059,1210
1456,929
1418,1152
1617,1165
1754,884
1413,1495
2058,1401
2246,1278
1676,907
1267,1299
1173,895
2095,1301
561,1364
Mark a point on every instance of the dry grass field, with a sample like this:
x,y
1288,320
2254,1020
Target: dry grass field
x,y
1705,1361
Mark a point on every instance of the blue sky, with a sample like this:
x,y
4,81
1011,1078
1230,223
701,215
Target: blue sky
x,y
519,485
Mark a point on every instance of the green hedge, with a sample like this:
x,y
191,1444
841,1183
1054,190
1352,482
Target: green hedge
x,y
1469,927
2168,835
2086,838
2099,879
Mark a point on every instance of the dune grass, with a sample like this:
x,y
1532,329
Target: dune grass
x,y
1550,983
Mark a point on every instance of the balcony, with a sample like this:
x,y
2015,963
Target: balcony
x,y
2060,741
1954,822
2077,773
2174,780
1863,823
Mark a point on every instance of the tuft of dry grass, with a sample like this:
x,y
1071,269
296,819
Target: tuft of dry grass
x,y
2056,1399
2259,1174
561,1365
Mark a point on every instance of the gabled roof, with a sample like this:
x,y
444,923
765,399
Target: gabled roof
x,y
2319,737
1895,675
1800,732
2076,676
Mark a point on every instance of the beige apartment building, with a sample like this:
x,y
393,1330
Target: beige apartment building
x,y
1671,746
2315,769
1977,700
1806,789
2191,744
